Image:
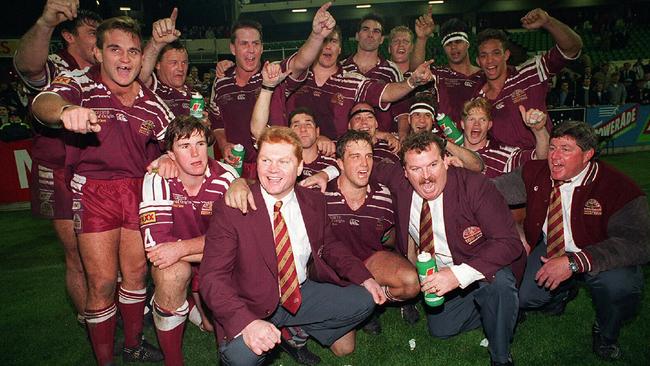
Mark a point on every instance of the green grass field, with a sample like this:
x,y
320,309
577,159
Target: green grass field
x,y
38,326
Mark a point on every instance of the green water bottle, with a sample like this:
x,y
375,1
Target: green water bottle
x,y
450,129
426,266
239,151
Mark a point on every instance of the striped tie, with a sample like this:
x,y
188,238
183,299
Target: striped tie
x,y
290,297
426,230
555,224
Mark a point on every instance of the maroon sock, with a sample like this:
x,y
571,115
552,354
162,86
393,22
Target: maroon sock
x,y
131,306
169,328
101,328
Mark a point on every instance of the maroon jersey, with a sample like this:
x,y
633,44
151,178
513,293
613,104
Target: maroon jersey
x,y
387,72
119,150
177,100
331,102
526,85
500,159
168,213
317,165
231,107
49,146
364,228
452,89
382,152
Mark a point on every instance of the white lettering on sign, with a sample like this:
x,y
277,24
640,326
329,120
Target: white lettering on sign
x,y
618,125
23,167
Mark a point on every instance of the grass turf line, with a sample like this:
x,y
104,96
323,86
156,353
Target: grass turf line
x,y
38,326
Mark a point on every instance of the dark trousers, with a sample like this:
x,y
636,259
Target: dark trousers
x,y
492,304
616,293
327,313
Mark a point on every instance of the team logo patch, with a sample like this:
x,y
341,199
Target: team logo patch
x,y
146,127
518,96
62,80
468,84
241,96
316,93
593,208
354,222
499,105
337,99
76,205
147,218
120,117
206,209
472,234
179,200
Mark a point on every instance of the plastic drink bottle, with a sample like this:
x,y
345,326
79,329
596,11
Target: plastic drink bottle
x,y
426,266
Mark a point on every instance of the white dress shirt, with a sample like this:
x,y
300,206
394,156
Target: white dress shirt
x,y
566,192
300,245
465,274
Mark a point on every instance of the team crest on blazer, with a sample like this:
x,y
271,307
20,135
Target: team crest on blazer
x,y
146,127
593,208
472,234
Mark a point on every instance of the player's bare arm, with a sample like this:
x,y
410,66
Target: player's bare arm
x,y
322,25
424,26
53,110
34,46
567,40
163,32
396,91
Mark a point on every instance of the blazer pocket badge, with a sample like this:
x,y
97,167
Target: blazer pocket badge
x,y
472,234
593,208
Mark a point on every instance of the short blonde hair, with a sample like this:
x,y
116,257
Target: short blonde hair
x,y
480,103
277,135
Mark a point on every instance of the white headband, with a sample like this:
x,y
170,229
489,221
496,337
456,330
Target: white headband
x,y
455,36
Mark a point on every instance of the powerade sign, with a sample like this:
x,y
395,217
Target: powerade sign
x,y
623,126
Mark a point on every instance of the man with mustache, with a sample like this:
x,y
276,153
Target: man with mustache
x,y
461,219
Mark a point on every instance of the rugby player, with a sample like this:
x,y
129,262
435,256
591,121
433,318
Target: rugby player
x,y
168,57
508,87
174,217
51,196
115,117
234,95
498,157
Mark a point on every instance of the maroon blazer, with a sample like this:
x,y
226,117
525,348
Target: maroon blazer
x,y
239,274
478,224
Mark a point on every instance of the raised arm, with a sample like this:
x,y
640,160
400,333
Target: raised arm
x,y
397,91
34,46
566,39
272,75
536,121
424,26
322,26
163,32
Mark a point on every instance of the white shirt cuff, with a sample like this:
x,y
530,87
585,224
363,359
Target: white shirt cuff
x,y
332,173
466,275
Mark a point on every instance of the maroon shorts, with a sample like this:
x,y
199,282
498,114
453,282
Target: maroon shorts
x,y
195,278
51,195
102,205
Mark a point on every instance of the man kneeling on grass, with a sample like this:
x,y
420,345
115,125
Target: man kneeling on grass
x,y
174,217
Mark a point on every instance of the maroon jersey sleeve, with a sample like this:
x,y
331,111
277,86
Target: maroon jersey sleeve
x,y
370,91
66,86
156,219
